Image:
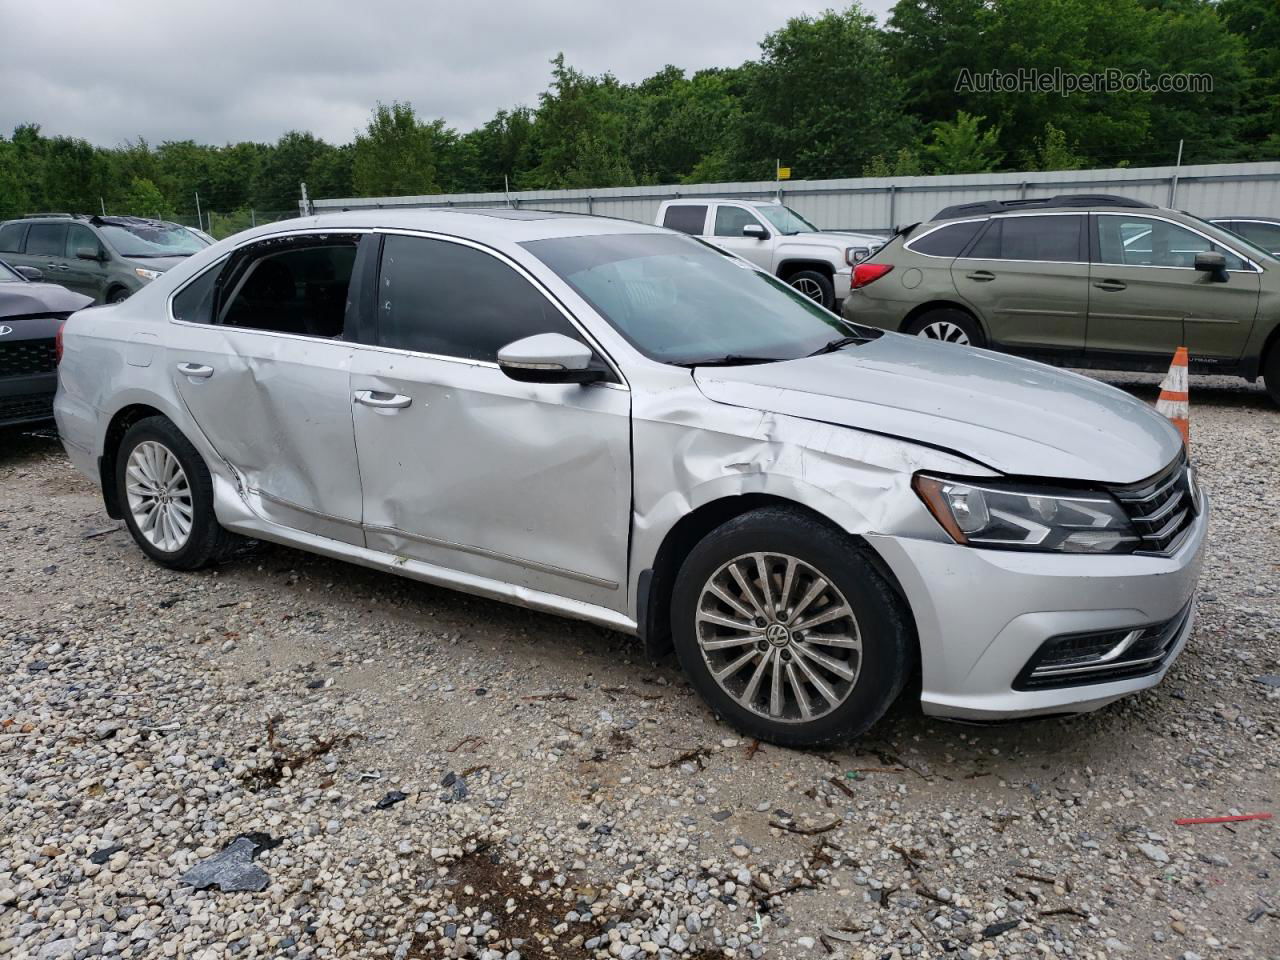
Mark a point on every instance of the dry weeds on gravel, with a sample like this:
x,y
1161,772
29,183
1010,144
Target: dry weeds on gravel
x,y
430,775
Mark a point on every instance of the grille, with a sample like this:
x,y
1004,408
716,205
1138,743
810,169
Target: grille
x,y
27,356
1104,657
31,406
1161,509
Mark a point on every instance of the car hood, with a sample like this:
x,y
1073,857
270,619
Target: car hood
x,y
833,238
1013,415
26,299
160,264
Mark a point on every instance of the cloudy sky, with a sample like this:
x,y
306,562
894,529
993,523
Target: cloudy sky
x,y
110,70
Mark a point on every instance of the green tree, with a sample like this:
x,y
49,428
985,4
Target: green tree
x,y
395,155
961,146
1052,152
144,199
931,43
580,132
1257,24
905,164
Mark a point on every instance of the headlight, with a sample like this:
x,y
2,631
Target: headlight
x,y
146,274
854,255
1019,516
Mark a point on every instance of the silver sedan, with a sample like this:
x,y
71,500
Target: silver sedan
x,y
619,423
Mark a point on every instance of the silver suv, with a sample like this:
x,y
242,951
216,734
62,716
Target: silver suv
x,y
636,429
106,258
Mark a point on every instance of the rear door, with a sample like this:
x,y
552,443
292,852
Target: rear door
x,y
1147,299
727,228
1028,277
263,364
45,249
690,218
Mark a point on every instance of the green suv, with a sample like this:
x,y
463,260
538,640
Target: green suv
x,y
1086,281
106,258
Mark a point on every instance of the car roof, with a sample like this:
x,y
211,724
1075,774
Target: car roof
x,y
1250,217
496,224
1081,202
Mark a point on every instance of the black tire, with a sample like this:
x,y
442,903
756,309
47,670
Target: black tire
x,y
958,319
1271,373
118,296
809,281
882,621
207,541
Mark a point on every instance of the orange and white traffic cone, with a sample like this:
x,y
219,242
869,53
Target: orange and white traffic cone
x,y
1174,400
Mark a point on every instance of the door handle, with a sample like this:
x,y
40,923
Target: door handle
x,y
199,370
1111,285
383,401
982,276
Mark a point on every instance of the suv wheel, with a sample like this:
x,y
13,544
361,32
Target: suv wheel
x,y
948,325
815,285
1271,373
788,631
166,496
118,296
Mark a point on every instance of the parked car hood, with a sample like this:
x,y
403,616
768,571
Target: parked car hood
x,y
160,264
26,299
1013,415
832,238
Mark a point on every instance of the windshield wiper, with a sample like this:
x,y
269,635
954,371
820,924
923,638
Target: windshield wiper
x,y
731,360
156,256
833,345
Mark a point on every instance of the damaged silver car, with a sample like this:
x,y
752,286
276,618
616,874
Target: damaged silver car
x,y
619,423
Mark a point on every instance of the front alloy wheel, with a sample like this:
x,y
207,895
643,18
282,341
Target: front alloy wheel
x,y
778,637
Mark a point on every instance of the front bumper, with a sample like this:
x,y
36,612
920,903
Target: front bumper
x,y
27,399
982,614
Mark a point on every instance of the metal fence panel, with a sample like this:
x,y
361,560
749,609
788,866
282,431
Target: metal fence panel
x,y
879,203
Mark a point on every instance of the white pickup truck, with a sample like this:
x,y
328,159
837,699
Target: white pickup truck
x,y
773,236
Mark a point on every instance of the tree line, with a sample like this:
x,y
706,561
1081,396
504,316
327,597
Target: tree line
x,y
835,95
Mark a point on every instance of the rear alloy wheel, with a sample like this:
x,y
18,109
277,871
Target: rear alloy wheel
x,y
948,326
787,630
815,285
166,496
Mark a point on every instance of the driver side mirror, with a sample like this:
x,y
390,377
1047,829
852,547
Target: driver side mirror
x,y
34,274
88,253
755,230
1214,264
548,358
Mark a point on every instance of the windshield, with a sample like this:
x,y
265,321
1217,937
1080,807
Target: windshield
x,y
785,219
152,239
683,302
1243,244
9,275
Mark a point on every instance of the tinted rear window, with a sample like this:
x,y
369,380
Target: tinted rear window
x,y
11,237
687,218
47,239
1050,239
947,241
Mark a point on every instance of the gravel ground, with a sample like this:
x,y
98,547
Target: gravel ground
x,y
416,773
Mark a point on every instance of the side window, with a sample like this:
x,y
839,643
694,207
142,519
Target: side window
x,y
455,301
11,237
948,241
291,286
1265,235
731,220
194,303
46,240
79,236
1137,241
686,217
1048,239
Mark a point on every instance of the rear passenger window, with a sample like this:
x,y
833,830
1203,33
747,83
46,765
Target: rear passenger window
x,y
194,303
291,287
456,301
948,241
11,237
46,240
687,218
1043,239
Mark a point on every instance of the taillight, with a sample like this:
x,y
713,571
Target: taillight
x,y
57,342
865,273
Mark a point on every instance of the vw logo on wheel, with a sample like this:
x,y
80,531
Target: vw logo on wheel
x,y
777,634
5,331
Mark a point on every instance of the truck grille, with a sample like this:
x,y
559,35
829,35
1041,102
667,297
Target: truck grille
x,y
1161,509
1102,657
23,357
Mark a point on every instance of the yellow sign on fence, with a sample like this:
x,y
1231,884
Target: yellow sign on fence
x,y
784,173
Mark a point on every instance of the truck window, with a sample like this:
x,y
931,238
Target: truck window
x,y
686,217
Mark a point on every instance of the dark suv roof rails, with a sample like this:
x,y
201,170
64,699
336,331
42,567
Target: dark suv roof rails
x,y
32,216
986,207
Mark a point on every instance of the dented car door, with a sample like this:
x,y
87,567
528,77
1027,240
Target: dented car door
x,y
525,483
